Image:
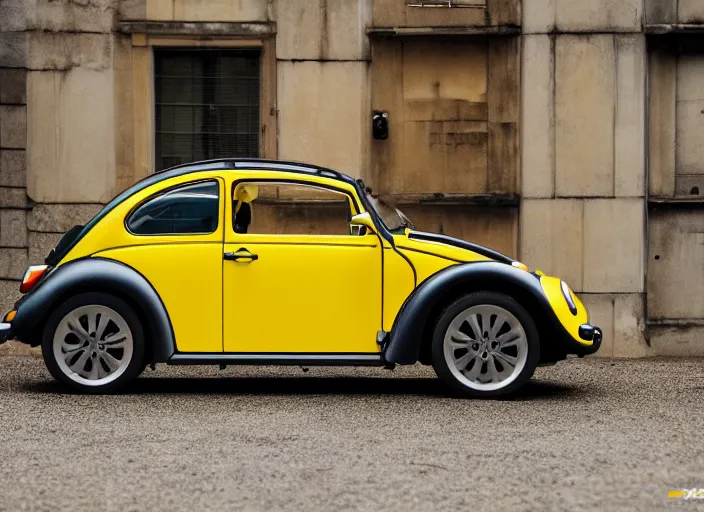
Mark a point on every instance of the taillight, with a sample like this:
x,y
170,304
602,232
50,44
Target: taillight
x,y
32,277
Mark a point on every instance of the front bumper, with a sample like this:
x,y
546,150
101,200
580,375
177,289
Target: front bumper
x,y
5,332
591,333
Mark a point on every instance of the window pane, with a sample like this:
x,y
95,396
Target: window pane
x,y
183,210
207,104
287,209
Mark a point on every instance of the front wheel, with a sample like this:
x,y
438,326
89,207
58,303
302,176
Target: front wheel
x,y
485,344
93,343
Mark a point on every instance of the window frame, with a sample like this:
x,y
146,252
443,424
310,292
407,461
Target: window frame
x,y
205,53
287,181
140,152
166,190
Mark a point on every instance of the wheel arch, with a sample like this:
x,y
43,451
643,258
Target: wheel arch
x,y
98,275
411,334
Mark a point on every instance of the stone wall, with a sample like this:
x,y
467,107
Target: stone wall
x,y
72,132
583,158
57,156
14,204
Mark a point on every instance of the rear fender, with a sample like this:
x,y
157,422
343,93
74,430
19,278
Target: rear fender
x,y
96,274
410,325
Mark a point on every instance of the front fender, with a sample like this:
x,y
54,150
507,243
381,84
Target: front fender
x,y
96,274
438,290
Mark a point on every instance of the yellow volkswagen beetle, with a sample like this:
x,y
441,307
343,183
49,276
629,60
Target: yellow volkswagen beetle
x,y
217,262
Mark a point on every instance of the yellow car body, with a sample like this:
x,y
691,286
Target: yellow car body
x,y
305,298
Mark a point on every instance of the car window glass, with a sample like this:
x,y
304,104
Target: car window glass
x,y
189,209
289,209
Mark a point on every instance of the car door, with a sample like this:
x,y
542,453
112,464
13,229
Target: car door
x,y
295,279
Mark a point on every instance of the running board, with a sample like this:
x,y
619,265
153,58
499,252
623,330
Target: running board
x,y
280,359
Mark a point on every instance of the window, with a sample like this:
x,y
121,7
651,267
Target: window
x,y
289,209
183,210
207,104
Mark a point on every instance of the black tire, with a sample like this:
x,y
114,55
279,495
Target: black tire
x,y
136,361
465,302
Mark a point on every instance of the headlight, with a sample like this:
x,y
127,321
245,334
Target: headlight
x,y
568,297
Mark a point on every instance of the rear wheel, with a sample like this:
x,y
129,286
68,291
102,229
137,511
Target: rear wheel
x,y
485,344
93,343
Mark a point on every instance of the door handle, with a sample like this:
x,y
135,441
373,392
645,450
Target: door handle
x,y
241,254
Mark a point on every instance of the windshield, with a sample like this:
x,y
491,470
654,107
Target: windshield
x,y
392,217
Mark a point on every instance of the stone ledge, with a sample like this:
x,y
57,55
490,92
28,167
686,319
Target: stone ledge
x,y
495,30
165,28
442,199
674,28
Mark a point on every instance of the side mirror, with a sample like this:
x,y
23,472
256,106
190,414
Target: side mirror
x,y
361,224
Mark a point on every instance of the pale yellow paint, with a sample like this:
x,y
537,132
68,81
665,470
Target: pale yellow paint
x,y
398,285
188,278
431,257
571,323
304,293
426,264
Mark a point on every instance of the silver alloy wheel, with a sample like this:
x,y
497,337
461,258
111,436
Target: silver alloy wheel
x,y
485,347
93,345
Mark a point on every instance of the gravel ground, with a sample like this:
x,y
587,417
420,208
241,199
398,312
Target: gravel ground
x,y
596,434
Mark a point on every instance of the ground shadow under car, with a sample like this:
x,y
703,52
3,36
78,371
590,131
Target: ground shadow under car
x,y
304,385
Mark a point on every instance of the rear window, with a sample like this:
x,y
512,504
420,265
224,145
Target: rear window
x,y
188,209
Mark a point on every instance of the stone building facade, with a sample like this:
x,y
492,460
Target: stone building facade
x,y
567,133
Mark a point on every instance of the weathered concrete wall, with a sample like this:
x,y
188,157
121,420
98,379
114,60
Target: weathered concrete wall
x,y
573,16
203,10
14,203
323,54
323,109
71,131
676,185
674,11
583,158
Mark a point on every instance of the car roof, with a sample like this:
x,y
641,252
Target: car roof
x,y
255,163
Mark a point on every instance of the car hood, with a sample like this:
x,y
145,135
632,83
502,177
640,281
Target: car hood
x,y
433,238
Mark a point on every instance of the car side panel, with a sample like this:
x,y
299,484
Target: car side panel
x,y
95,274
319,296
406,336
399,282
426,264
188,278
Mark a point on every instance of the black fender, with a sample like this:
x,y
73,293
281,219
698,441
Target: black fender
x,y
406,337
96,274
